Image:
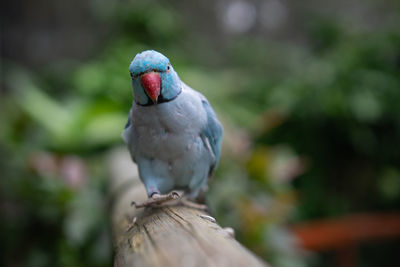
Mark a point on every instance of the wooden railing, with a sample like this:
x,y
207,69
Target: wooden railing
x,y
169,235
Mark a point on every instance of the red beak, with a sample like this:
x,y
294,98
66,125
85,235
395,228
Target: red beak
x,y
151,82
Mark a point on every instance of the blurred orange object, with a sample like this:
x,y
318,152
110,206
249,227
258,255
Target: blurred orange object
x,y
344,234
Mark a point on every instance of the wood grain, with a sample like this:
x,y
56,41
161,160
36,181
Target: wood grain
x,y
169,235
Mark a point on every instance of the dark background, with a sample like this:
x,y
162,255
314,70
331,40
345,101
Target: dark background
x,y
308,93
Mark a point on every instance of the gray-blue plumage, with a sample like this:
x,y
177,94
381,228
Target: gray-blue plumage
x,y
175,142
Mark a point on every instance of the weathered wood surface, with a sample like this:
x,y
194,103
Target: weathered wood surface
x,y
169,235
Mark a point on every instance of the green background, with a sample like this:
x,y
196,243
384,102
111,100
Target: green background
x,y
308,93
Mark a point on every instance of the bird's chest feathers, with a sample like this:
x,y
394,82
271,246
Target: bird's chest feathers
x,y
169,129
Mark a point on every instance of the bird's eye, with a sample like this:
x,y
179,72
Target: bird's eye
x,y
168,67
131,74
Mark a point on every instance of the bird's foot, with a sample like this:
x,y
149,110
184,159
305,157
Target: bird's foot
x,y
157,199
190,204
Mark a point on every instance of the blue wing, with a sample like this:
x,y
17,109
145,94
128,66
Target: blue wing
x,y
128,123
127,129
213,133
127,136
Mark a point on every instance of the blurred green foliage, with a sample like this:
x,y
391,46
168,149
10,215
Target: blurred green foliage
x,y
311,131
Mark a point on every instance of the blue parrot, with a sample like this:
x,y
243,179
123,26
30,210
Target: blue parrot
x,y
172,132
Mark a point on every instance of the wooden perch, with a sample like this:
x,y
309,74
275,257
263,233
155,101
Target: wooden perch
x,y
169,235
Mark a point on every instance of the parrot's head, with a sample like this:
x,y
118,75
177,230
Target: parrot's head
x,y
154,80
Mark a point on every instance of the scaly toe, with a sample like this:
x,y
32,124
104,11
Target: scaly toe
x,y
157,199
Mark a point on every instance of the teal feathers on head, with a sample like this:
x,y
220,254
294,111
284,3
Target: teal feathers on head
x,y
154,80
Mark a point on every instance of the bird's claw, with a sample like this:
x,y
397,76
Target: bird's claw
x,y
157,199
190,204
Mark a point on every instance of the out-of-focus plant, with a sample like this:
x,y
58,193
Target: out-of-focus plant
x,y
333,104
311,131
